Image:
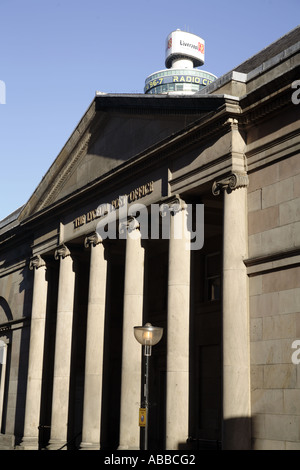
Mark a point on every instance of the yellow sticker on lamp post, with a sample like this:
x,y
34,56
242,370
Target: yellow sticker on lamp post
x,y
142,417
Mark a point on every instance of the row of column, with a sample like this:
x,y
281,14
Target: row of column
x,y
177,353
236,390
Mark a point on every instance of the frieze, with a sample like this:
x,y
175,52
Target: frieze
x,y
115,204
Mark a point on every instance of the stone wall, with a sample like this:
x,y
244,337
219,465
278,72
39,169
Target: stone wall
x,y
274,289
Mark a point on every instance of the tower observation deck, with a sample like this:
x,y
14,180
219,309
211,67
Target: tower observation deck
x,y
184,52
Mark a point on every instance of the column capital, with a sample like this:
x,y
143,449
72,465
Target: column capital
x,y
233,181
92,239
128,225
173,204
62,251
36,262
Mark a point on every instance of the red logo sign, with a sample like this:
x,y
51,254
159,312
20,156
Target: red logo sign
x,y
170,43
201,47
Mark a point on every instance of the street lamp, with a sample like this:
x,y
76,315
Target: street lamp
x,y
147,336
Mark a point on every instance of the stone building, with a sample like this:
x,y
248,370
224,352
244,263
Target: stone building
x,y
225,374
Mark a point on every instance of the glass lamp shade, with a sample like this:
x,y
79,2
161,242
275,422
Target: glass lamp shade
x,y
148,335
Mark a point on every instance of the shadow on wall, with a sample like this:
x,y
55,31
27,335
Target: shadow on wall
x,y
4,307
236,436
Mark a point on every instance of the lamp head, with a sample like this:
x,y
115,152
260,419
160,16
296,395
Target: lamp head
x,y
148,336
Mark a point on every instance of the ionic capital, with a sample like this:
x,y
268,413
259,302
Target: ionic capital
x,y
61,252
36,262
128,225
92,239
172,205
231,182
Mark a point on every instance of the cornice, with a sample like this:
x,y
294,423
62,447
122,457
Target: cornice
x,y
276,261
255,113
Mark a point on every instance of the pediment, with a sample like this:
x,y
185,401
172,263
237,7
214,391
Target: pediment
x,y
113,130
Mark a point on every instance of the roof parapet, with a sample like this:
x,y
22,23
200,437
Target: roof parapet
x,y
240,77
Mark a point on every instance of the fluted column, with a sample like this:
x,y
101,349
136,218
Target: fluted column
x,y
63,345
178,328
236,430
36,354
131,352
94,345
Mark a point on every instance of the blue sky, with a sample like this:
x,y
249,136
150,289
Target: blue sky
x,y
55,54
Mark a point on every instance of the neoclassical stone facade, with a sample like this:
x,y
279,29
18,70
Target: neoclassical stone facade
x,y
95,251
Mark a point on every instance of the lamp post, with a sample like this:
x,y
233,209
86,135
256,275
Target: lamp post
x,y
147,336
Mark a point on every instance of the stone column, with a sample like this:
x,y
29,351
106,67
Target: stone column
x,y
131,352
3,356
178,328
94,345
63,345
36,355
236,431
